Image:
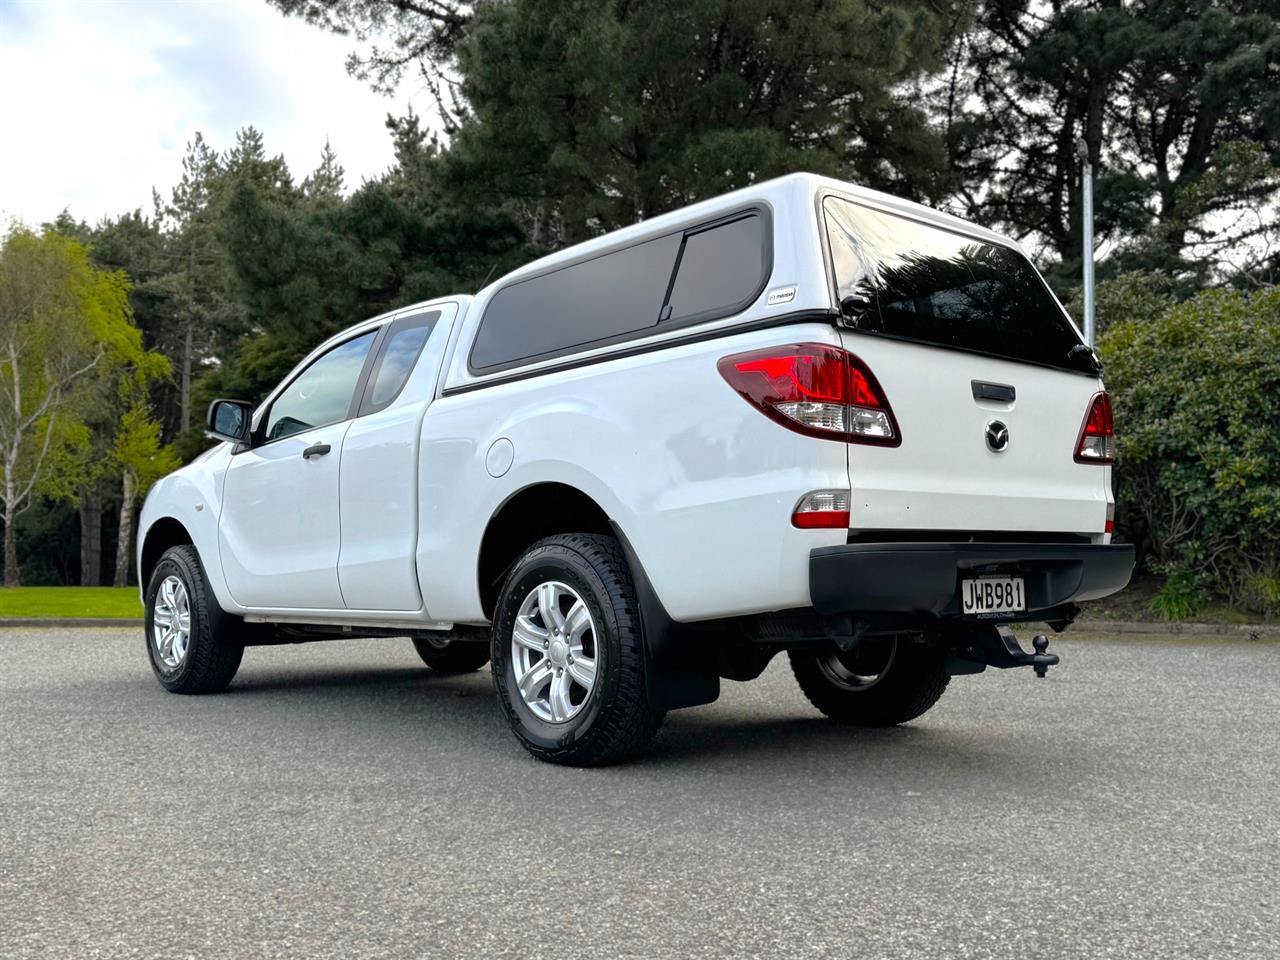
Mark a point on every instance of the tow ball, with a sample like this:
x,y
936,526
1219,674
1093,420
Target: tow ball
x,y
1042,660
998,647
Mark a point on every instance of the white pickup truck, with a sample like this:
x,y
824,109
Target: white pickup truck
x,y
803,416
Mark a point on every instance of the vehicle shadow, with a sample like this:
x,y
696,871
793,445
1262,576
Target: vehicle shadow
x,y
368,693
375,680
460,712
716,738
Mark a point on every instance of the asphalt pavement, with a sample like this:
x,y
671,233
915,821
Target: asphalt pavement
x,y
341,801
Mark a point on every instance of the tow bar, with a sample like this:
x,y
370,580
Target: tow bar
x,y
998,647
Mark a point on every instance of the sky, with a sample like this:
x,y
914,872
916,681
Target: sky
x,y
99,98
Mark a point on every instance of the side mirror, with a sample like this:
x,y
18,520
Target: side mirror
x,y
230,420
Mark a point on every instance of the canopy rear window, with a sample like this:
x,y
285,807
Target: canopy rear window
x,y
934,286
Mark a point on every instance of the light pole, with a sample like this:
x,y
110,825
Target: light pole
x,y
1086,190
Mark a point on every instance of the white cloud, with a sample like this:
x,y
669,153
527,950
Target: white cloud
x,y
98,99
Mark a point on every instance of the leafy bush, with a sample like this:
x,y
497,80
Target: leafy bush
x,y
1196,393
1140,295
1180,597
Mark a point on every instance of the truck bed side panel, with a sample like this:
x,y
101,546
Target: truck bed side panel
x,y
701,484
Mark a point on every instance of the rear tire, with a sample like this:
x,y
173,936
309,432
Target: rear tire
x,y
882,682
572,684
452,653
192,644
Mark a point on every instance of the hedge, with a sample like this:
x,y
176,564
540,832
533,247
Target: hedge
x,y
1196,393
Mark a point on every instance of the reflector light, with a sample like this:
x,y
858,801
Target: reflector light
x,y
1097,443
815,389
822,509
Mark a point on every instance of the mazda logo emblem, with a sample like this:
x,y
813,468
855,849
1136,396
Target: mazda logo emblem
x,y
997,437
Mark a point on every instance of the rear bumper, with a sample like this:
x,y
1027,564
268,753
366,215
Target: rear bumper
x,y
923,579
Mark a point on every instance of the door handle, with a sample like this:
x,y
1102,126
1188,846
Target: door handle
x,y
315,450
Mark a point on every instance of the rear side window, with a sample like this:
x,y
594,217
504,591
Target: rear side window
x,y
719,268
933,286
597,299
682,278
396,359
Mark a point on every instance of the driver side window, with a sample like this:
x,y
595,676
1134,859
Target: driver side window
x,y
322,393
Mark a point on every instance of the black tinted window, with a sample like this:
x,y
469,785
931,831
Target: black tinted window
x,y
322,393
577,305
624,293
933,286
396,359
720,269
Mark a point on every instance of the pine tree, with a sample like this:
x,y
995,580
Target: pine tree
x,y
1175,100
326,182
196,281
247,163
593,115
421,36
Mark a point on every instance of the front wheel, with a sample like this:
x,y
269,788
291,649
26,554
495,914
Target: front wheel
x,y
568,655
881,682
191,643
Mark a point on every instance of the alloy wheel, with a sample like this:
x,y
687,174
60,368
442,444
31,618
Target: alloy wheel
x,y
171,622
554,652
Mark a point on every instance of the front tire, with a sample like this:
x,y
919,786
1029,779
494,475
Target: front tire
x,y
882,682
568,655
191,643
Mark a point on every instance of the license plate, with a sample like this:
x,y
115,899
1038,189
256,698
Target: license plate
x,y
987,595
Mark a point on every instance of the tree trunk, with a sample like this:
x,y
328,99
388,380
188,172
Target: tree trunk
x,y
186,376
125,540
91,538
11,577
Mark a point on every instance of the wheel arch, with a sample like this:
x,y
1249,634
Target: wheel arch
x,y
525,517
677,674
164,533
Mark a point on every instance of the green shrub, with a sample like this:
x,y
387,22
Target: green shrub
x,y
1196,393
1141,296
1180,597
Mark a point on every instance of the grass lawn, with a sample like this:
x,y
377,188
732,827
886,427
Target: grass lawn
x,y
116,602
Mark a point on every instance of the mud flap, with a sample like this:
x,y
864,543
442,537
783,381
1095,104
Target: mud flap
x,y
680,659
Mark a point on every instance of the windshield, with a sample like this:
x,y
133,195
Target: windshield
x,y
933,286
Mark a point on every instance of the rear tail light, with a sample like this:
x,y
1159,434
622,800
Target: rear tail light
x,y
822,509
814,389
1097,443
